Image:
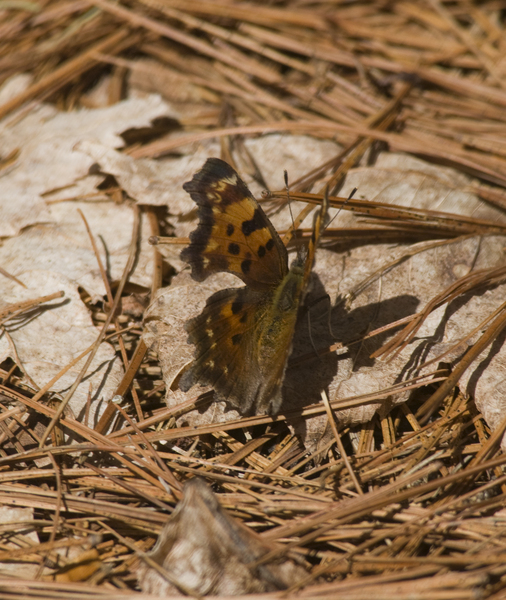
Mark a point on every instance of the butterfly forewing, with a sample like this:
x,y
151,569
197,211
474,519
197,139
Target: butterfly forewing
x,y
234,235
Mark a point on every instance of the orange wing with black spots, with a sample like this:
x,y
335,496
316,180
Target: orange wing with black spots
x,y
225,337
243,337
234,235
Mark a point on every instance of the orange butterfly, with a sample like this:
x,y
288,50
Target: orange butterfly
x,y
243,337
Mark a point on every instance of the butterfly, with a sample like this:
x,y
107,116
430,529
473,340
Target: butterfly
x,y
243,337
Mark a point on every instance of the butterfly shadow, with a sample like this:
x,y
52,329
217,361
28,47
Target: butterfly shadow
x,y
312,367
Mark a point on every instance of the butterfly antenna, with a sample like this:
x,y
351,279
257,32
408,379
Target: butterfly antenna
x,y
289,201
353,192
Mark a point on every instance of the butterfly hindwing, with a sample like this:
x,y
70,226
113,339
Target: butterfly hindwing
x,y
226,337
234,235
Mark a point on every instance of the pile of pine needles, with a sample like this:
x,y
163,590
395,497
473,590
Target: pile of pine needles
x,y
399,507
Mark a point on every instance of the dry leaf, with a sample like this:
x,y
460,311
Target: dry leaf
x,y
49,249
46,340
63,245
157,183
408,287
205,550
49,158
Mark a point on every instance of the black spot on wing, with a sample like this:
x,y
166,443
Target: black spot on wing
x,y
246,266
270,245
234,248
254,224
261,251
236,339
230,229
236,307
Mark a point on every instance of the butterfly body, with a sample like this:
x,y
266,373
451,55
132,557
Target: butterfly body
x,y
281,313
243,337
